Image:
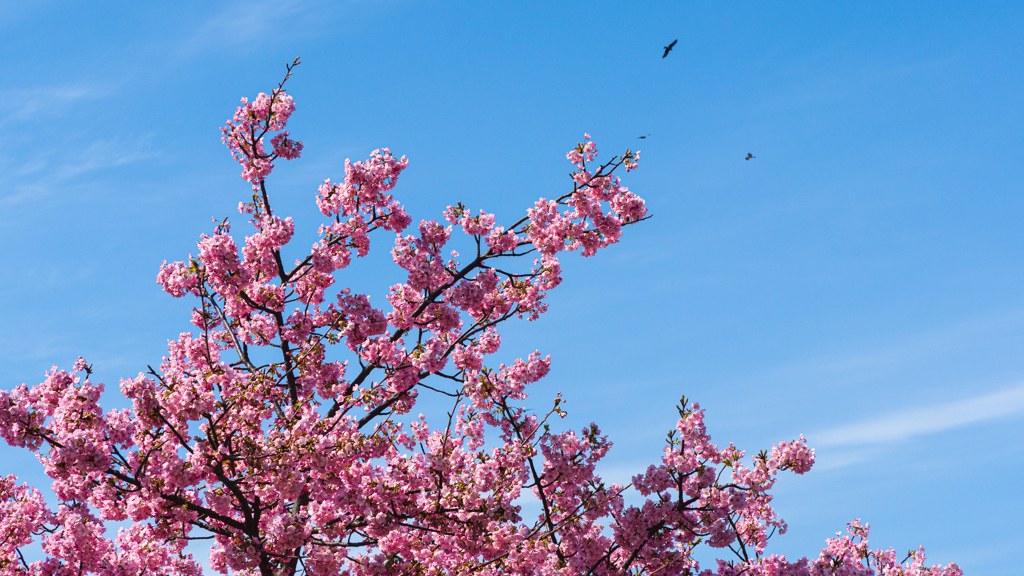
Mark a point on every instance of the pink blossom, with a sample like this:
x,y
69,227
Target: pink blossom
x,y
176,279
279,427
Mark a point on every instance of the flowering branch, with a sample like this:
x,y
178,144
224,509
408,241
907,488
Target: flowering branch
x,y
251,433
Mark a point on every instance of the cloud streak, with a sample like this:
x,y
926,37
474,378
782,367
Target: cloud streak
x,y
922,421
41,175
29,103
899,356
249,24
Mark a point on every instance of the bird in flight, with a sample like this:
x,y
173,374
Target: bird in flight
x,y
642,137
669,48
749,156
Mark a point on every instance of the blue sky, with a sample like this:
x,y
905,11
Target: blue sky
x,y
859,281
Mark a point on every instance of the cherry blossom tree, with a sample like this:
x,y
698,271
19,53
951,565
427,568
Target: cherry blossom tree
x,y
282,429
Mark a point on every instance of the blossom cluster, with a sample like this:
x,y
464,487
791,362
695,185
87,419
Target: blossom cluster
x,y
245,133
280,429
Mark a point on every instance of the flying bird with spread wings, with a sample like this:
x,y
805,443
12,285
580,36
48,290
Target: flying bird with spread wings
x,y
669,48
642,137
749,156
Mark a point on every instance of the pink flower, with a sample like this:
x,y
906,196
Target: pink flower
x,y
279,427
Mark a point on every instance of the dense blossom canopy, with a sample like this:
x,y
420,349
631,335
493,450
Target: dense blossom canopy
x,y
255,432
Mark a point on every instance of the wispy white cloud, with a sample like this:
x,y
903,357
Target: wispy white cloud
x,y
871,363
103,155
250,23
27,103
14,12
899,426
40,175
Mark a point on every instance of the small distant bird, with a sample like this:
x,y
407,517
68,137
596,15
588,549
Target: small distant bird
x,y
749,156
669,48
642,137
